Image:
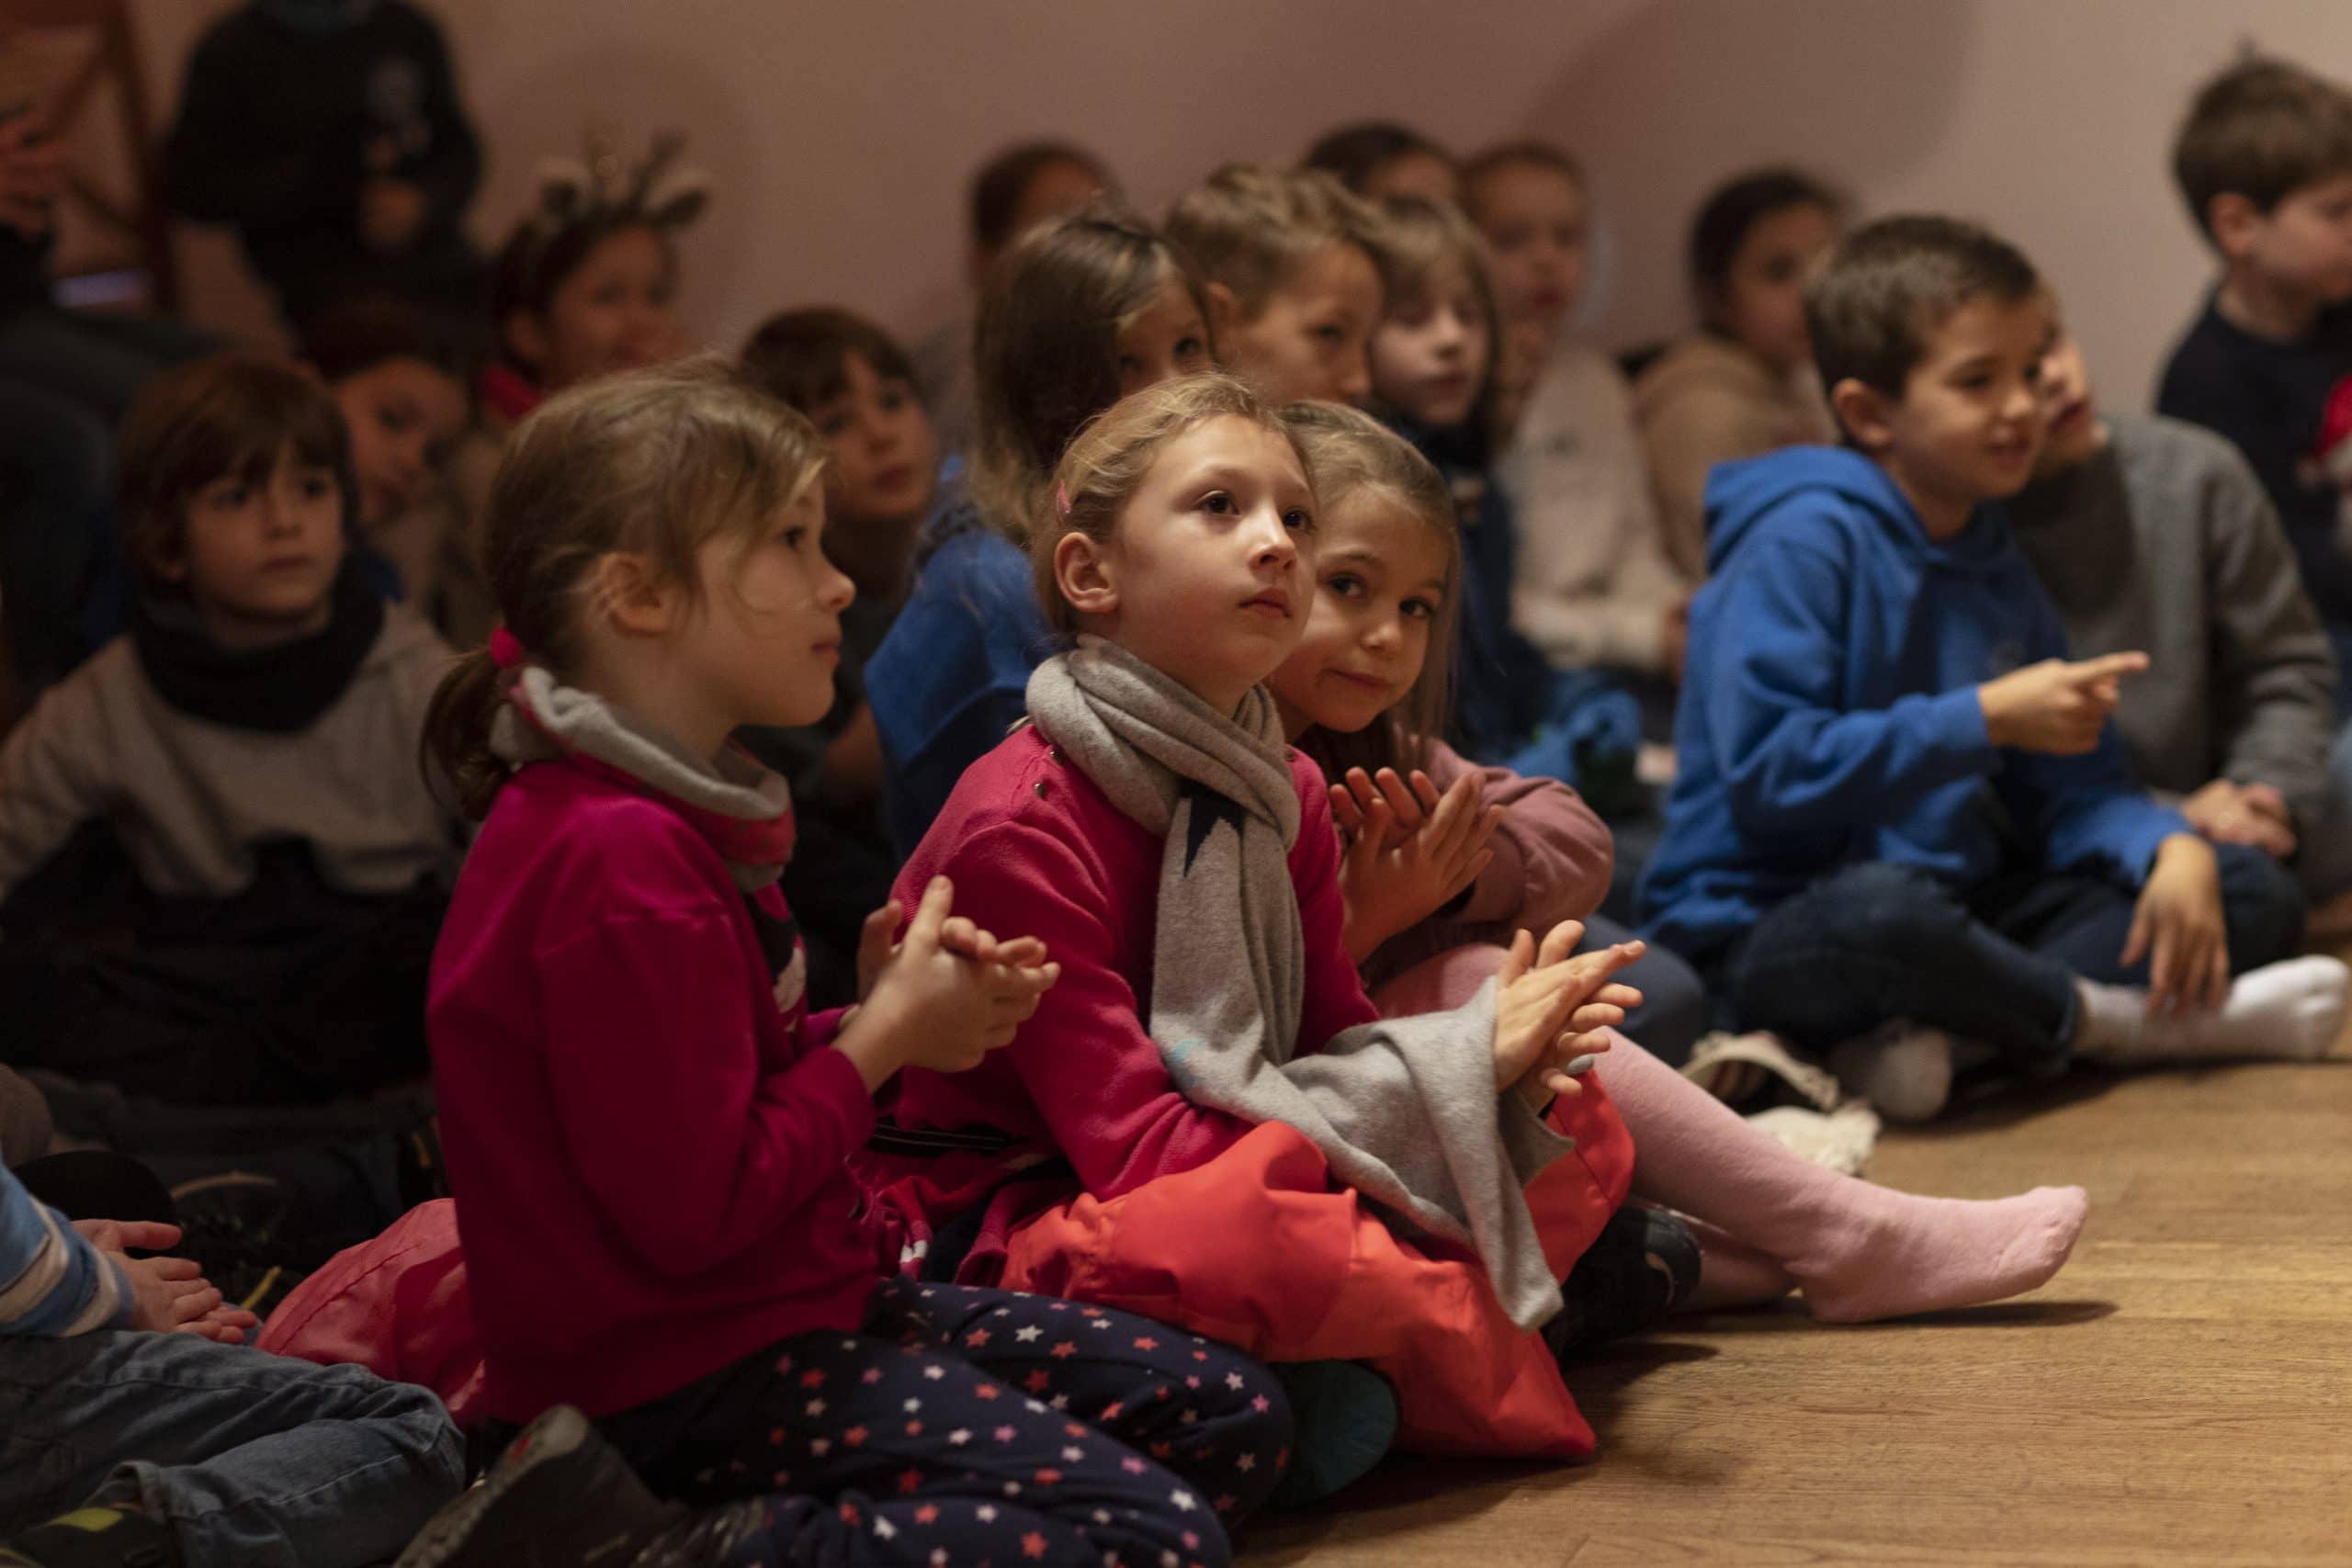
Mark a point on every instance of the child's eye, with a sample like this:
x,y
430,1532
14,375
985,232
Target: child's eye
x,y
892,400
1419,609
792,538
833,426
1298,520
1217,501
396,421
316,485
229,495
1330,335
1190,349
1343,585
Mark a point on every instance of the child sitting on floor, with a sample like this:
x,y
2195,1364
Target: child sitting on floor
x,y
1897,805
129,1398
648,1132
250,744
1082,311
2154,535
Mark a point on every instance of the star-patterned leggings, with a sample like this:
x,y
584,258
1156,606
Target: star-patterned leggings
x,y
963,1427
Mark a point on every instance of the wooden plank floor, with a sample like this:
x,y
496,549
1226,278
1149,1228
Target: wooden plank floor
x,y
2181,1393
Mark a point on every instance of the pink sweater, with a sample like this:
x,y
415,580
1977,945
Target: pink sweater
x,y
1034,848
646,1134
1553,857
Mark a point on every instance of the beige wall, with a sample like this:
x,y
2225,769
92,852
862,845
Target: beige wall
x,y
841,134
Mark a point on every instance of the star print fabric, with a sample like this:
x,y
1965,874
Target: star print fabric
x,y
965,1427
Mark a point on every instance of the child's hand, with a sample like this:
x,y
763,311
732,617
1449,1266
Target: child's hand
x,y
128,1235
2179,918
167,1295
1390,882
946,997
2055,707
2255,814
1550,1006
879,940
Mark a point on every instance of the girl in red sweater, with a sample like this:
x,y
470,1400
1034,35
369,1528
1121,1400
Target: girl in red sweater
x,y
1444,860
648,1134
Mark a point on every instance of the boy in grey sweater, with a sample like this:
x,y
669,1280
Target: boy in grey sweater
x,y
2152,534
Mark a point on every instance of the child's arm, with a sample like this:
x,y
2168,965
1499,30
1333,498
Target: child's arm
x,y
56,771
1795,758
1088,1065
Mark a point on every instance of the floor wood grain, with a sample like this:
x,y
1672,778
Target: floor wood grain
x,y
2181,1393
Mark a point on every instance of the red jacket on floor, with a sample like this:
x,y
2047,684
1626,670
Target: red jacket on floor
x,y
1190,1214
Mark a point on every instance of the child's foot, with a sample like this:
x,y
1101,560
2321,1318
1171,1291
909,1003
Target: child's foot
x,y
559,1494
94,1537
1346,1421
2290,1010
1900,1254
1903,1069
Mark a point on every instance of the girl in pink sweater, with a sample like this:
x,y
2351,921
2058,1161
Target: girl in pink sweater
x,y
648,1133
1444,860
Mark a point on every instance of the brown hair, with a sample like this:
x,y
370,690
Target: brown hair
x,y
1354,153
999,184
1355,455
1422,235
803,357
1248,228
1889,285
1045,349
655,463
230,414
1103,467
2262,129
1512,154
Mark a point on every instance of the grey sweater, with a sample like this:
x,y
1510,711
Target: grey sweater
x,y
190,798
2166,542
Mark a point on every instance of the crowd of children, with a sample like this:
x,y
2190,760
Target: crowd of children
x,y
1014,950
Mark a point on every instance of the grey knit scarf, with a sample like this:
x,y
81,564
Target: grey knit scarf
x,y
1405,1109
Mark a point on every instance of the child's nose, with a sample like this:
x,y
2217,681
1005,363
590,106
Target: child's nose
x,y
839,590
1355,378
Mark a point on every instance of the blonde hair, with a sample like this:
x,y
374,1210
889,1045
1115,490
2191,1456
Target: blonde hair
x,y
1423,235
1355,455
652,463
1250,228
1108,462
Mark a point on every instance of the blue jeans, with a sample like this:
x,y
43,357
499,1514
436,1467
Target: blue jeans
x,y
1997,966
2324,858
256,1460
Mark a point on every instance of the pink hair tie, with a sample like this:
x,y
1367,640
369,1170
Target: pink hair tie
x,y
504,650
1061,493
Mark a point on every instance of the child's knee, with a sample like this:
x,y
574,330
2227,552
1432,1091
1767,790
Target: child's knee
x,y
1880,908
2263,903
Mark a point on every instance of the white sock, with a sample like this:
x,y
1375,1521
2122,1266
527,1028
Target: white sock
x,y
2290,1010
1902,1068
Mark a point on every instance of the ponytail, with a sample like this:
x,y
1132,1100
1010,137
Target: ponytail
x,y
456,744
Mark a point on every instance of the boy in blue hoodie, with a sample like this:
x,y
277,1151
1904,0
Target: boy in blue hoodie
x,y
1903,828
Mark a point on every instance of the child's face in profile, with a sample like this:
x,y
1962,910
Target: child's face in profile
x,y
767,635
2073,432
1206,573
1429,358
403,415
1533,217
885,454
258,559
1760,303
1381,581
2303,245
613,311
1308,339
1971,419
1166,338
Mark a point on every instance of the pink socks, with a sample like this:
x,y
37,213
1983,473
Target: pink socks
x,y
1858,1251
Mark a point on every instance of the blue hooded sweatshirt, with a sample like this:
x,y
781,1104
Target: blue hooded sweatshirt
x,y
1829,715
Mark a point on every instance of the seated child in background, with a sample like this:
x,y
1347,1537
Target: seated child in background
x,y
2265,163
251,743
403,379
1593,585
882,483
1433,367
1208,1062
1082,311
1289,262
2153,535
129,1398
1743,384
1377,159
648,1132
1895,800
1027,183
586,285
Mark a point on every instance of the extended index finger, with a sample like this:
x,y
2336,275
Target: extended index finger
x,y
2106,667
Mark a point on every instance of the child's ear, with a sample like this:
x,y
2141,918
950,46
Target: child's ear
x,y
2231,218
1224,314
1864,412
630,594
1086,574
